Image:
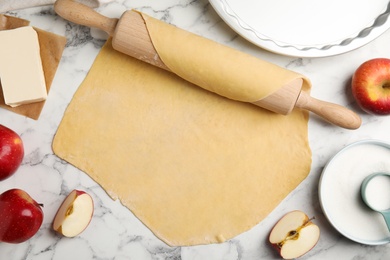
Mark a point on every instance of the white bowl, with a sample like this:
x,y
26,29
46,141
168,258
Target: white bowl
x,y
339,191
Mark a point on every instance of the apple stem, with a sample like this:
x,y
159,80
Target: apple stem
x,y
308,221
41,205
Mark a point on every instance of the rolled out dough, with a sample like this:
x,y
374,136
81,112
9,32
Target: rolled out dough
x,y
194,167
240,76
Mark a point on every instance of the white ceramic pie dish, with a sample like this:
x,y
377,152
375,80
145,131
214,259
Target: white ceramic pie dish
x,y
306,28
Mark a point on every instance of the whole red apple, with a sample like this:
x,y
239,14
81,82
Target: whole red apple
x,y
20,216
11,152
371,86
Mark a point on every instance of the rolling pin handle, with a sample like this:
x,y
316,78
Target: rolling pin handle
x,y
84,15
333,113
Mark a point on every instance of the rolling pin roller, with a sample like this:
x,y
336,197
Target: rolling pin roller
x,y
208,64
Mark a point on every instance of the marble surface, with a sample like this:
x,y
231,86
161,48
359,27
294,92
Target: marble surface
x,y
115,233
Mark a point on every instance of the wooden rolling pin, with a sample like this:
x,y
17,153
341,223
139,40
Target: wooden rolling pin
x,y
130,36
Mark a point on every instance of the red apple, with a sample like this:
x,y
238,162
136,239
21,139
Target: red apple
x,y
74,214
11,152
20,216
294,235
371,86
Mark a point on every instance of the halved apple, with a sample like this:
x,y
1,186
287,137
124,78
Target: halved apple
x,y
294,235
74,214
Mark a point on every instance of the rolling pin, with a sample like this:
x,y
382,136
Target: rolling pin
x,y
131,36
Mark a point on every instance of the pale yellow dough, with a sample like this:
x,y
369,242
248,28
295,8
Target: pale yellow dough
x,y
194,167
216,67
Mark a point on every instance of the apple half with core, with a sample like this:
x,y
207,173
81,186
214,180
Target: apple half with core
x,y
294,235
74,214
371,86
20,216
11,152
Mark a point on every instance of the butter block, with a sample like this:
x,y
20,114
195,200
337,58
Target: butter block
x,y
21,73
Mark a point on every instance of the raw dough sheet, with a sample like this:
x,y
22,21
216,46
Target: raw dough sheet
x,y
194,167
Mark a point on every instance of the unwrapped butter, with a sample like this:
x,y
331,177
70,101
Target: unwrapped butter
x,y
21,73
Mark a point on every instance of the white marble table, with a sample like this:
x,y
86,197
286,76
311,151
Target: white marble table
x,y
115,233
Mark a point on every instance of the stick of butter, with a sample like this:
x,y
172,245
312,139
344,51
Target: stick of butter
x,y
21,73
